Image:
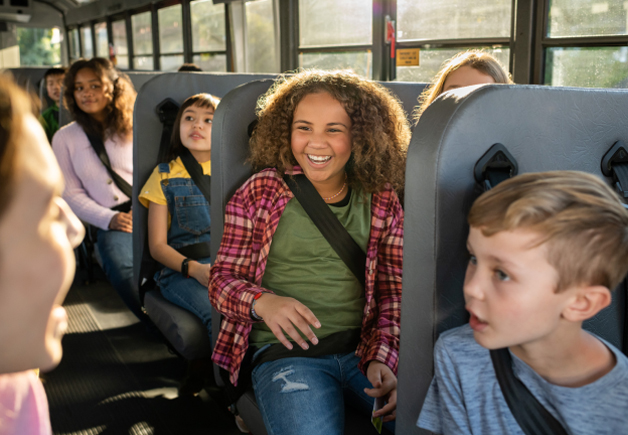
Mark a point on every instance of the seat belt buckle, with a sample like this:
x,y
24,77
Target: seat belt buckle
x,y
615,165
495,166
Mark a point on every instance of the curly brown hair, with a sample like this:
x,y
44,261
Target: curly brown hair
x,y
118,89
380,131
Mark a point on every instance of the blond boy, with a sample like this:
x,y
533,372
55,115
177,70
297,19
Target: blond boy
x,y
545,251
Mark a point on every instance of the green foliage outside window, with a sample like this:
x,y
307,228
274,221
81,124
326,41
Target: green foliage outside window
x,y
39,47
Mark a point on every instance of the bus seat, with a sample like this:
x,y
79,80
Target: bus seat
x,y
408,93
29,77
544,129
183,330
230,170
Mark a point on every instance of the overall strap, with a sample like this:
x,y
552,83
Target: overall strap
x,y
99,147
194,168
328,224
531,416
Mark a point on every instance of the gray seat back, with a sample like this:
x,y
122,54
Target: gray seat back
x,y
29,77
230,170
230,146
147,131
32,80
544,129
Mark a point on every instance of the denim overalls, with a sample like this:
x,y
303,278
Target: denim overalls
x,y
190,223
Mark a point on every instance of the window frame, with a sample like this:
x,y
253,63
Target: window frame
x,y
528,42
462,43
545,42
126,18
189,44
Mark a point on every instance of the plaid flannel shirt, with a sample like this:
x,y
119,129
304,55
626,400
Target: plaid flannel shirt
x,y
251,218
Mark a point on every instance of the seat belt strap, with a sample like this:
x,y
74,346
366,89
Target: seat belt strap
x,y
328,224
167,112
531,416
101,152
194,168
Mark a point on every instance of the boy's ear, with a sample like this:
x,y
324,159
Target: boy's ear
x,y
587,302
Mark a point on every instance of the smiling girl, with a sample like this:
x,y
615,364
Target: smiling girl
x,y
101,100
276,278
178,213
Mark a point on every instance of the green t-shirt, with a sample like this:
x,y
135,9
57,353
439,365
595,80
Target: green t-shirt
x,y
301,264
49,119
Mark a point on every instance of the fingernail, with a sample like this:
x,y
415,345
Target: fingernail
x,y
317,325
289,346
315,340
305,346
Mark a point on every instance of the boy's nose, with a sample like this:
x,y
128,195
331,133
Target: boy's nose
x,y
473,284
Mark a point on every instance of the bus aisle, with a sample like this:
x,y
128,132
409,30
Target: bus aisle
x,y
116,377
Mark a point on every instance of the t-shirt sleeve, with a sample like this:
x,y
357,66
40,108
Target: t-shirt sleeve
x,y
444,411
152,191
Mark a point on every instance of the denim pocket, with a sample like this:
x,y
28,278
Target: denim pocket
x,y
192,213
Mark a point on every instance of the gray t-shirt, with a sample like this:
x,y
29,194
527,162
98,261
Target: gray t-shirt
x,y
465,397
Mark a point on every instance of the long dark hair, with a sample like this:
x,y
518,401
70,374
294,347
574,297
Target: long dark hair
x,y
117,87
204,101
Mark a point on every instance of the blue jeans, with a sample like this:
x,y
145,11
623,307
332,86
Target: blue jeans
x,y
116,252
187,293
307,395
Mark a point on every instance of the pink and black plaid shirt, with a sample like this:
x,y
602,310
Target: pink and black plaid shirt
x,y
251,218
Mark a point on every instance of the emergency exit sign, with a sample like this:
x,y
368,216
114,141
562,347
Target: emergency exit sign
x,y
408,57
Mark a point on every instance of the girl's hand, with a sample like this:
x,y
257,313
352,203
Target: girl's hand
x,y
122,222
384,385
200,272
283,314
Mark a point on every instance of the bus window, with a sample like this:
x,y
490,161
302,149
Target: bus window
x,y
118,28
568,18
452,19
102,41
442,28
170,38
88,45
350,23
75,47
342,39
142,41
358,61
603,67
208,35
261,41
594,65
431,59
39,47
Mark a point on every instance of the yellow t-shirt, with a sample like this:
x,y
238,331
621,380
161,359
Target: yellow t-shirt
x,y
152,191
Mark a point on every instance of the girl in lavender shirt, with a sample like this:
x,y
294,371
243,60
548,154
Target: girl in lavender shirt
x,y
37,234
101,100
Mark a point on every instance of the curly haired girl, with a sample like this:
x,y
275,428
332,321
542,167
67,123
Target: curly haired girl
x,y
101,100
275,274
